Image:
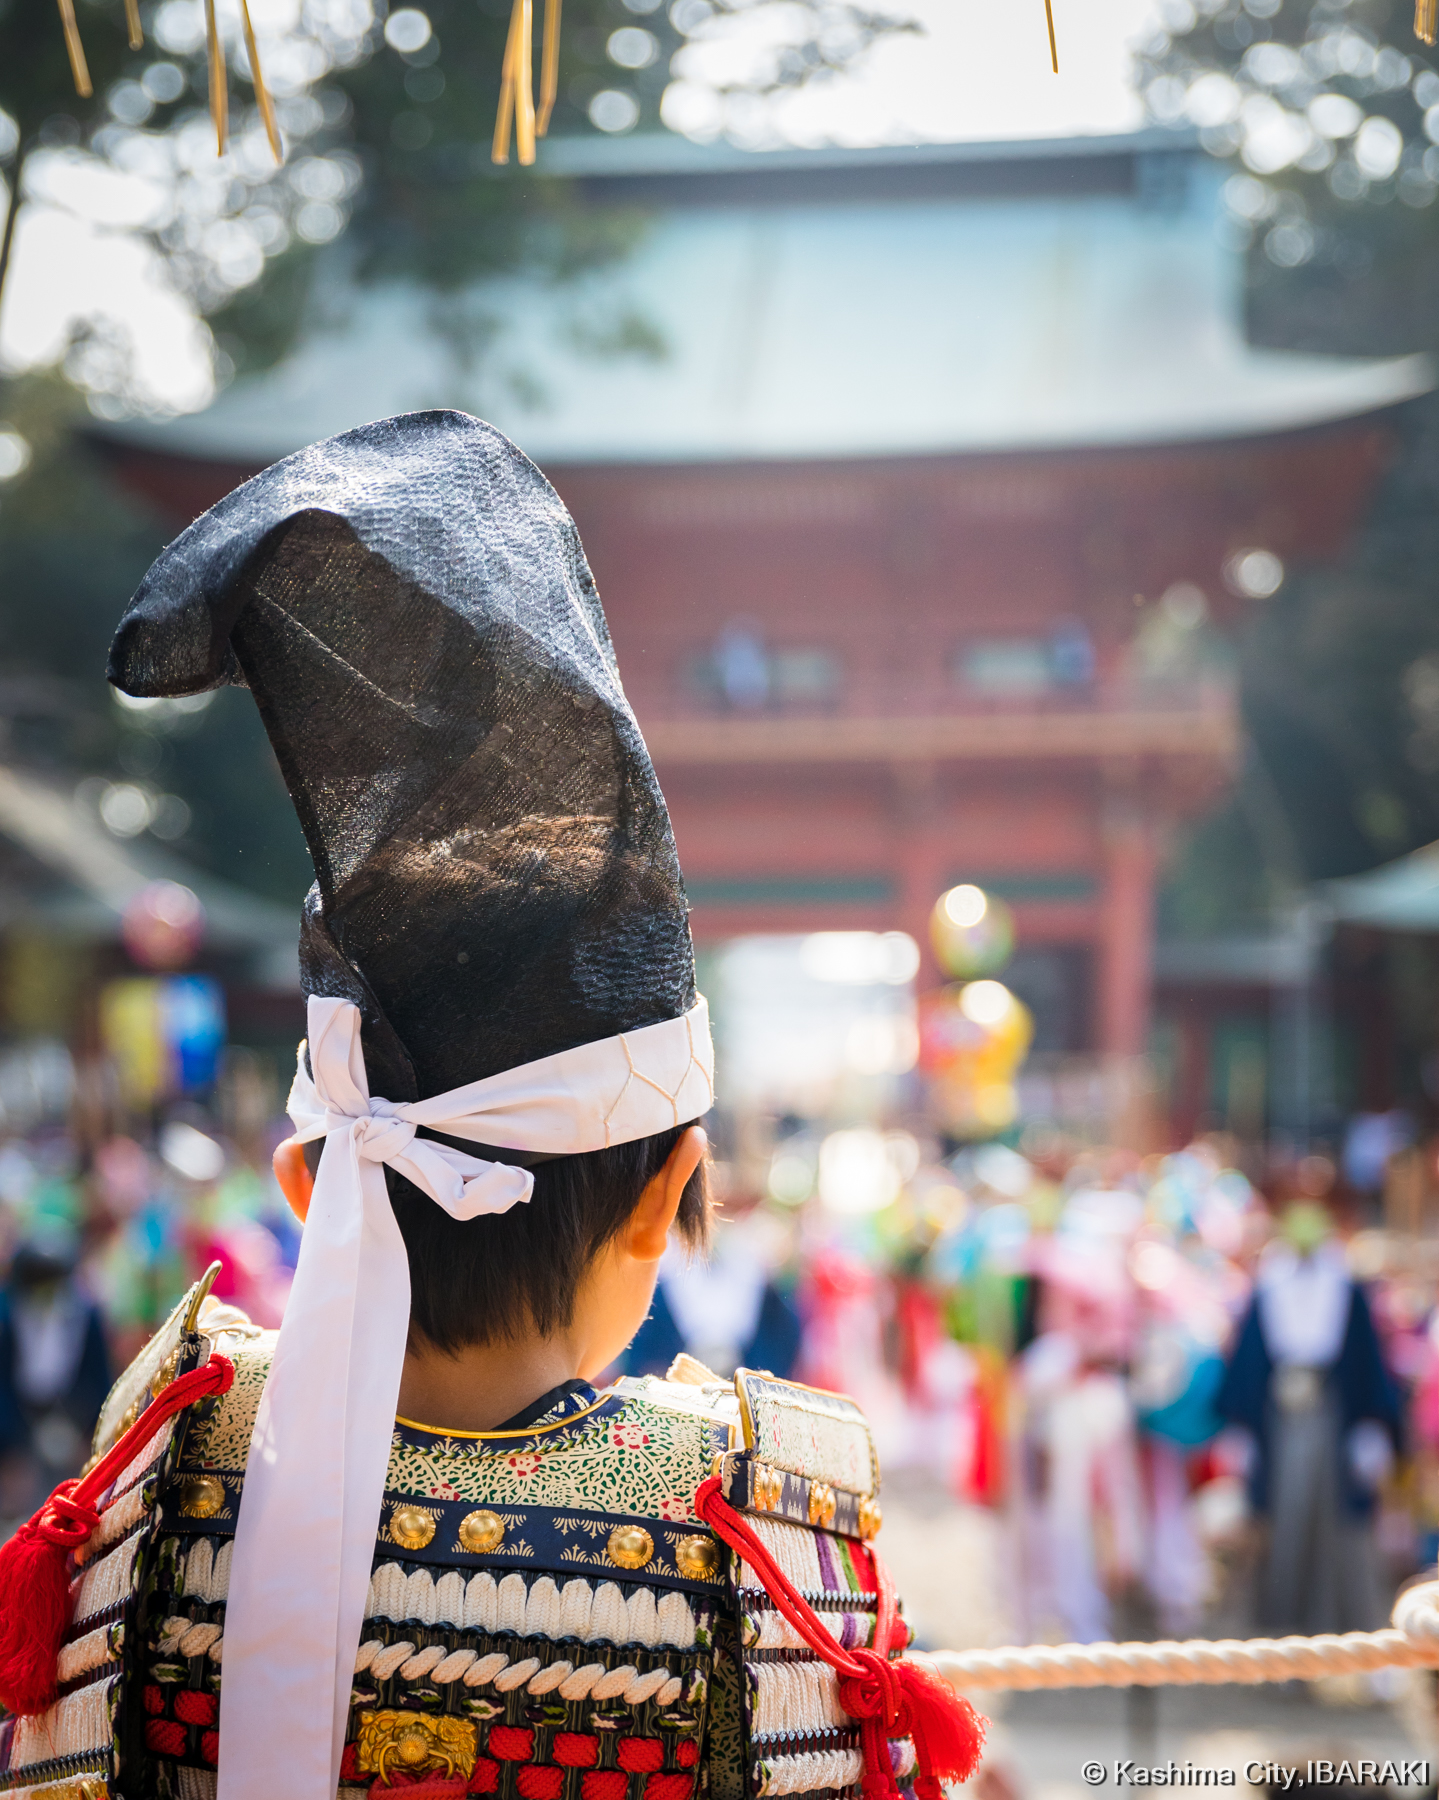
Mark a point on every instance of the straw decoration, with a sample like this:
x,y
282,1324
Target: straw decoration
x,y
500,148
262,93
517,100
219,86
1426,16
215,55
79,68
550,64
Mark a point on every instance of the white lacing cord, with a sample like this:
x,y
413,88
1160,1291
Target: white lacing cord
x,y
591,1681
183,1637
1411,1643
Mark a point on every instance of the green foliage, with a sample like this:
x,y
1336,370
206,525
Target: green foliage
x,y
72,550
1329,112
393,144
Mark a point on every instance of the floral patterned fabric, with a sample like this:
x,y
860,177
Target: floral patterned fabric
x,y
594,1452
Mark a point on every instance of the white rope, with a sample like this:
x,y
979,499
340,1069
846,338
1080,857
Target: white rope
x,y
1411,1643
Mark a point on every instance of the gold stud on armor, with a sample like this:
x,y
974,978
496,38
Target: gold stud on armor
x,y
697,1557
821,1504
768,1487
870,1517
481,1532
202,1496
631,1546
411,1527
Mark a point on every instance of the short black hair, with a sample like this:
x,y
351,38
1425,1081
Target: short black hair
x,y
486,1280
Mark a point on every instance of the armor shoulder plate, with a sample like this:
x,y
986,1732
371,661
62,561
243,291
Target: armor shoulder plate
x,y
807,1479
86,1743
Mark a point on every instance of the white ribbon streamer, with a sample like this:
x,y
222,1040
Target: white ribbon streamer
x,y
315,1477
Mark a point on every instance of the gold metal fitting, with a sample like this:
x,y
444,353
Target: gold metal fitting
x,y
415,1742
697,1557
870,1517
481,1532
821,1504
631,1546
767,1487
411,1527
201,1496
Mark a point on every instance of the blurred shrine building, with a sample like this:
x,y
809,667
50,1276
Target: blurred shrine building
x,y
921,486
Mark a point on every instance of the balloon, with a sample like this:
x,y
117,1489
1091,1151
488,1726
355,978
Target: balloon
x,y
972,1039
163,926
971,931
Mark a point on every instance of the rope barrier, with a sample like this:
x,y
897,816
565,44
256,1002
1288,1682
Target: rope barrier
x,y
1412,1642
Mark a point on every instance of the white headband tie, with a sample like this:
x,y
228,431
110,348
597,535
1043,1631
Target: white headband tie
x,y
315,1477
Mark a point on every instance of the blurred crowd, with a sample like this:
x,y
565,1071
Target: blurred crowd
x,y
96,1248
1195,1396
1190,1394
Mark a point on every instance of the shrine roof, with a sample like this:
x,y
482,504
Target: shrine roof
x,y
833,303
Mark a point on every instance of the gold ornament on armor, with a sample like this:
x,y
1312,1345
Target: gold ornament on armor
x,y
414,1744
822,1504
411,1527
202,1496
481,1532
630,1546
698,1558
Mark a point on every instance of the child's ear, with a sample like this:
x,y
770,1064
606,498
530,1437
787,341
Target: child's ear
x,y
293,1174
649,1228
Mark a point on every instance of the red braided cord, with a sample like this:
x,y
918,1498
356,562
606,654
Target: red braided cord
x,y
887,1699
212,1377
717,1513
868,1690
72,1512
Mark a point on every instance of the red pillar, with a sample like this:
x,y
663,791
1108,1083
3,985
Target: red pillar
x,y
923,860
1126,937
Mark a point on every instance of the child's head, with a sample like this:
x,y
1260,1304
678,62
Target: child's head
x,y
578,1259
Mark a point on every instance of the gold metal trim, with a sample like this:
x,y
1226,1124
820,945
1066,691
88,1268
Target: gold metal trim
x,y
198,1295
529,1430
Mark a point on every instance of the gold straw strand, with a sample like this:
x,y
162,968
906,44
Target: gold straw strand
x,y
133,26
500,149
550,65
1426,16
257,76
219,91
1054,48
79,69
524,82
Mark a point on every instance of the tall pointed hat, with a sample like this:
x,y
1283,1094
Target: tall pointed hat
x,y
496,952
495,875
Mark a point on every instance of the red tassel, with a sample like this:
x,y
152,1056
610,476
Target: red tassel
x,y
948,1733
34,1565
887,1698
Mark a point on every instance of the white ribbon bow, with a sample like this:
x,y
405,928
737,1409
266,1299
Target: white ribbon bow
x,y
319,1454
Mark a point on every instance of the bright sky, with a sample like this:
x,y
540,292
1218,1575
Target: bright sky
x,y
981,71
